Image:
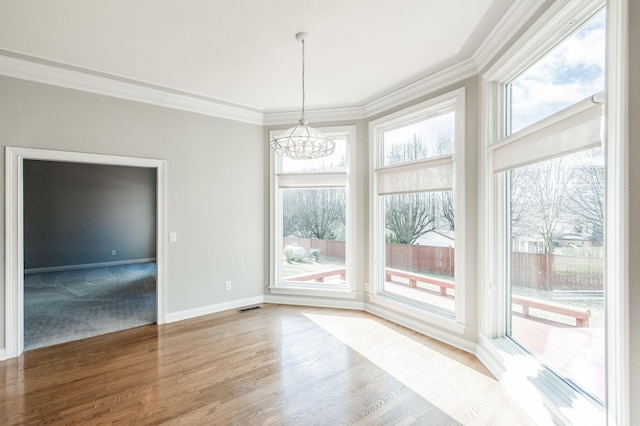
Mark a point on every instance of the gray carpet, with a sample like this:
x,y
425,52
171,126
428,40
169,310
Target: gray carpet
x,y
70,305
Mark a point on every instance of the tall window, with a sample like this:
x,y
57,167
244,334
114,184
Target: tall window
x,y
415,190
312,207
551,166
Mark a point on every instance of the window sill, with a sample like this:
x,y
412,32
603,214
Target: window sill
x,y
424,315
546,397
340,293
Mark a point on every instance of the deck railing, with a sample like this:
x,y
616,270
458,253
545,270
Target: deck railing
x,y
319,277
392,275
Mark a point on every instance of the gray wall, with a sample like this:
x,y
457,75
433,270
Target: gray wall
x,y
76,214
215,172
634,207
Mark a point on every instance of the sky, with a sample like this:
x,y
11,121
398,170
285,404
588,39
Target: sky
x,y
572,71
429,131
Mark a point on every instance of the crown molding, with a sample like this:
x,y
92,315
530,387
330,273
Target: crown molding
x,y
507,28
425,86
27,68
34,69
276,118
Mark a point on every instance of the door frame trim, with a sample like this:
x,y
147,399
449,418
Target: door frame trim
x,y
14,231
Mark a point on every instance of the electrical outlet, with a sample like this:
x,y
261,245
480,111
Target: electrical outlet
x,y
228,285
113,252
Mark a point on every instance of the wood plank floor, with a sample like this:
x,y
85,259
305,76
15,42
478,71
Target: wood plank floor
x,y
276,365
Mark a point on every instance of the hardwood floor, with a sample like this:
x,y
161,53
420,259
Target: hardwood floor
x,y
276,365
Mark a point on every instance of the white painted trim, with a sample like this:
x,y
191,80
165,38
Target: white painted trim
x,y
531,384
422,327
423,87
617,213
313,292
546,397
529,399
277,118
445,102
27,68
451,101
161,236
87,266
3,354
508,26
543,34
14,262
212,309
332,303
306,180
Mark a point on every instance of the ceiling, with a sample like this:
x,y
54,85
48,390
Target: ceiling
x,y
244,52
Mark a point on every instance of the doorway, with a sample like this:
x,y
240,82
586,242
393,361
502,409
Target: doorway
x,y
89,250
14,277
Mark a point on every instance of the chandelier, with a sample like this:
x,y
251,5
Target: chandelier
x,y
302,142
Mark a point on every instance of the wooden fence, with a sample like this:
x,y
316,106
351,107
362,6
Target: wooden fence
x,y
541,271
425,259
556,272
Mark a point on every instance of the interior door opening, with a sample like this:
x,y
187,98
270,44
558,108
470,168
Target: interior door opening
x,y
15,242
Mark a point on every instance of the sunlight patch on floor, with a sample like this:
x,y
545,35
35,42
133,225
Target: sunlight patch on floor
x,y
435,377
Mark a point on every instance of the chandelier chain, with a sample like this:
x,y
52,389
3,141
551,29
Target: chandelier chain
x,y
303,93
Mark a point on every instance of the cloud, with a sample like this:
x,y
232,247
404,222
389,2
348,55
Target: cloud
x,y
572,71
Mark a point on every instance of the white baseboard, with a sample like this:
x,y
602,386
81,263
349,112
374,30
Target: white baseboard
x,y
87,265
312,301
3,354
212,309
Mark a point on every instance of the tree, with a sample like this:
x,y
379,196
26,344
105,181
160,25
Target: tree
x,y
410,216
314,213
446,209
540,200
587,199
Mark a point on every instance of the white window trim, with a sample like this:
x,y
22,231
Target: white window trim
x,y
617,214
499,353
455,322
345,180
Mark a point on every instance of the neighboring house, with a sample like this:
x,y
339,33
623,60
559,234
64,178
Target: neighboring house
x,y
438,239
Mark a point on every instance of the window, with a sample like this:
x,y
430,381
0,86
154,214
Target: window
x,y
546,215
312,227
557,309
417,198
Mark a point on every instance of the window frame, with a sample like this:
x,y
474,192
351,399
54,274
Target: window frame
x,y
505,358
451,321
300,179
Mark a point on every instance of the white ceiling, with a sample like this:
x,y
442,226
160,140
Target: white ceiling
x,y
244,51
